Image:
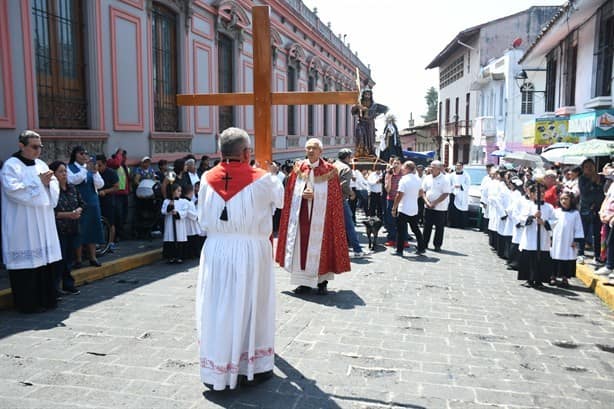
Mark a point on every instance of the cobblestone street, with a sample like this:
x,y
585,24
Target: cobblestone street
x,y
450,330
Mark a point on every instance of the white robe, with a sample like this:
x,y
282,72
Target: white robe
x,y
528,238
30,237
509,222
517,211
567,226
461,196
503,202
494,211
235,296
181,205
192,226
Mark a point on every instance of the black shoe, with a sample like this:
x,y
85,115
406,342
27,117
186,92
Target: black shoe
x,y
322,290
77,265
258,378
438,249
72,290
95,263
302,289
420,252
179,261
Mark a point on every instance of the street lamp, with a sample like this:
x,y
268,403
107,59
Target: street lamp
x,y
521,78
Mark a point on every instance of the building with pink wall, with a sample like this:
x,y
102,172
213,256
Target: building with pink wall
x,y
104,74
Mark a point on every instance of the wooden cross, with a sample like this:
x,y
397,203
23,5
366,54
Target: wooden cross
x,y
262,98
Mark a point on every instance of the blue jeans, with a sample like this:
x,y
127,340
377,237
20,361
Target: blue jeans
x,y
350,231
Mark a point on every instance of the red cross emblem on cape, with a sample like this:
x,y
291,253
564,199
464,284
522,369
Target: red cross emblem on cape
x,y
229,178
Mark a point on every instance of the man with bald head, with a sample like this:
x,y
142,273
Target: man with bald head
x,y
436,191
405,207
312,244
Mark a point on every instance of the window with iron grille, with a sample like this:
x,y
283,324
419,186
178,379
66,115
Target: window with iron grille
x,y
452,72
311,86
225,75
605,51
60,65
164,37
550,82
291,108
526,91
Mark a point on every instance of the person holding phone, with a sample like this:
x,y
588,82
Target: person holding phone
x,y
83,173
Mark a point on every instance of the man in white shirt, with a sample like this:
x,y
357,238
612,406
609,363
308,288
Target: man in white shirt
x,y
374,179
405,208
436,191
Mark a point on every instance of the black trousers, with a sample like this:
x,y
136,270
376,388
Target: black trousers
x,y
436,218
375,205
402,221
33,288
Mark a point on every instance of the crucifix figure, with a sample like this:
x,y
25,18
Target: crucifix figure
x,y
262,98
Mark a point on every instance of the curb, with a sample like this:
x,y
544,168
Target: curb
x,y
90,274
598,284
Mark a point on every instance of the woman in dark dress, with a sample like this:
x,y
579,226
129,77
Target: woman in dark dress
x,y
67,214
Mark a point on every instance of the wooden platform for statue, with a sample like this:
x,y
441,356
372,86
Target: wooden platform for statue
x,y
370,162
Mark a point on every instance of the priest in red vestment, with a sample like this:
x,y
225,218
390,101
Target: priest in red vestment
x,y
312,243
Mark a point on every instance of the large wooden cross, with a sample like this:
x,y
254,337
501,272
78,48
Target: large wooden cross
x,y
262,98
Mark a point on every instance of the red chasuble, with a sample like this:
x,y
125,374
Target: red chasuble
x,y
228,179
334,256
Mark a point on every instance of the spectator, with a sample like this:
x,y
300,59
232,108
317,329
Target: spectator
x,y
162,169
118,162
551,194
191,171
203,166
30,191
67,214
144,171
374,179
590,184
181,177
83,173
108,198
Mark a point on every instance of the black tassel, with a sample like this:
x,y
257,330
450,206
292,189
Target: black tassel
x,y
224,215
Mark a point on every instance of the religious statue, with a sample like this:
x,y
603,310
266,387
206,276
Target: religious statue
x,y
390,144
366,112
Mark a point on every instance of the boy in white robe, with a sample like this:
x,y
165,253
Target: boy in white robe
x,y
567,233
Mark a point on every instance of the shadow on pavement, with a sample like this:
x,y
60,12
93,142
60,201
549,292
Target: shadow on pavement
x,y
571,291
342,299
451,253
13,322
289,388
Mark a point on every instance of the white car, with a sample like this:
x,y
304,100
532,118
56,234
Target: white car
x,y
476,173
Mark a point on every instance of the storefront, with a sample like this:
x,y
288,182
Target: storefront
x,y
592,124
542,132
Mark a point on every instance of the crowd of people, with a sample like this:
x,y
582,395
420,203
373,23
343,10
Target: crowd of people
x,y
542,224
62,206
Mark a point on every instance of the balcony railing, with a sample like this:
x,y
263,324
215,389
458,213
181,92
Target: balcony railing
x,y
484,126
457,129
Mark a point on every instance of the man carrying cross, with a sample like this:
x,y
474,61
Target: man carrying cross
x,y
235,298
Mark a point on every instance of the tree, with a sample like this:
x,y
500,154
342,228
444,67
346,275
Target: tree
x,y
431,98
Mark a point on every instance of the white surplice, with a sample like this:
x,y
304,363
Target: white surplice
x,y
30,237
461,194
182,206
235,297
528,237
567,226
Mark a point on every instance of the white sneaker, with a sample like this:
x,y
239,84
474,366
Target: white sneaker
x,y
611,276
604,271
580,260
596,262
361,254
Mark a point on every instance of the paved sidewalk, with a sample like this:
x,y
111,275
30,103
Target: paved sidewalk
x,y
450,330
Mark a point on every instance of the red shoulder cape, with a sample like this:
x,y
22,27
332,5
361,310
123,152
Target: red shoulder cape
x,y
241,175
334,256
